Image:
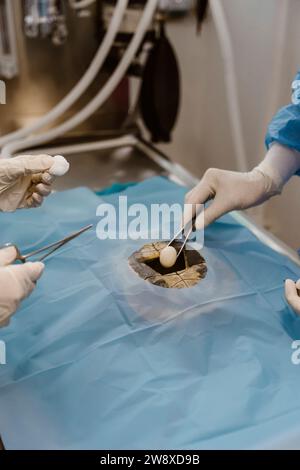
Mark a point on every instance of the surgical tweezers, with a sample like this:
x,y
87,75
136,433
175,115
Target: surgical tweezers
x,y
186,237
49,248
182,231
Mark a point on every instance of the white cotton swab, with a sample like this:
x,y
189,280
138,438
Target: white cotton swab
x,y
60,166
168,256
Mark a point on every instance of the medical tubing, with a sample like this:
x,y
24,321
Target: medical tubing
x,y
231,83
83,83
103,94
78,5
125,141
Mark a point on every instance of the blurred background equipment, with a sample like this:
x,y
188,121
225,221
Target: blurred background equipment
x,y
160,90
45,18
57,45
8,50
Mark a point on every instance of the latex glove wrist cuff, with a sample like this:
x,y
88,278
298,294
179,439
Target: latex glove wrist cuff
x,y
273,184
279,165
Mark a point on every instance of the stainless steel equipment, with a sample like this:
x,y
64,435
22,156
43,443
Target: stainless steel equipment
x,y
47,73
9,66
46,18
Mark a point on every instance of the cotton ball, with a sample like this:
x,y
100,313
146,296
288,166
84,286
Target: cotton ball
x,y
60,166
168,257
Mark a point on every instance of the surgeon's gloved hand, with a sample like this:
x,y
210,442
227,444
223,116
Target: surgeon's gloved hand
x,y
291,293
26,180
232,190
16,282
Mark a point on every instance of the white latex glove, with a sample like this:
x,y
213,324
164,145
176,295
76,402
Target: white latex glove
x,y
291,293
26,180
230,191
236,191
16,283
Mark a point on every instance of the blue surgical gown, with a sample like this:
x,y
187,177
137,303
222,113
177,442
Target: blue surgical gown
x,y
285,125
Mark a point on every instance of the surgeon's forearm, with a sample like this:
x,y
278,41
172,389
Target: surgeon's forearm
x,y
280,164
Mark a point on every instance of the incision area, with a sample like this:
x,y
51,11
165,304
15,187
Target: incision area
x,y
189,269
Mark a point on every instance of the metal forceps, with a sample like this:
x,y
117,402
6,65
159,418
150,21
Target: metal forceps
x,y
182,231
49,249
186,237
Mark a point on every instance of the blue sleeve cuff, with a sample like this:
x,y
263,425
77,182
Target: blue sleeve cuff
x,y
285,128
285,125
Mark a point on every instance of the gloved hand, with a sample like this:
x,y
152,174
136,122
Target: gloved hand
x,y
16,282
236,191
25,181
291,294
230,191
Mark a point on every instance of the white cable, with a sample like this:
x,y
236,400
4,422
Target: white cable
x,y
83,83
103,94
72,149
78,5
231,83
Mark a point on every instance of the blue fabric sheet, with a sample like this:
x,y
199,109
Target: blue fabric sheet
x,y
97,358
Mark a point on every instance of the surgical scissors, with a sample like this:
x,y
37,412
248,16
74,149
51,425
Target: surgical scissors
x,y
49,248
